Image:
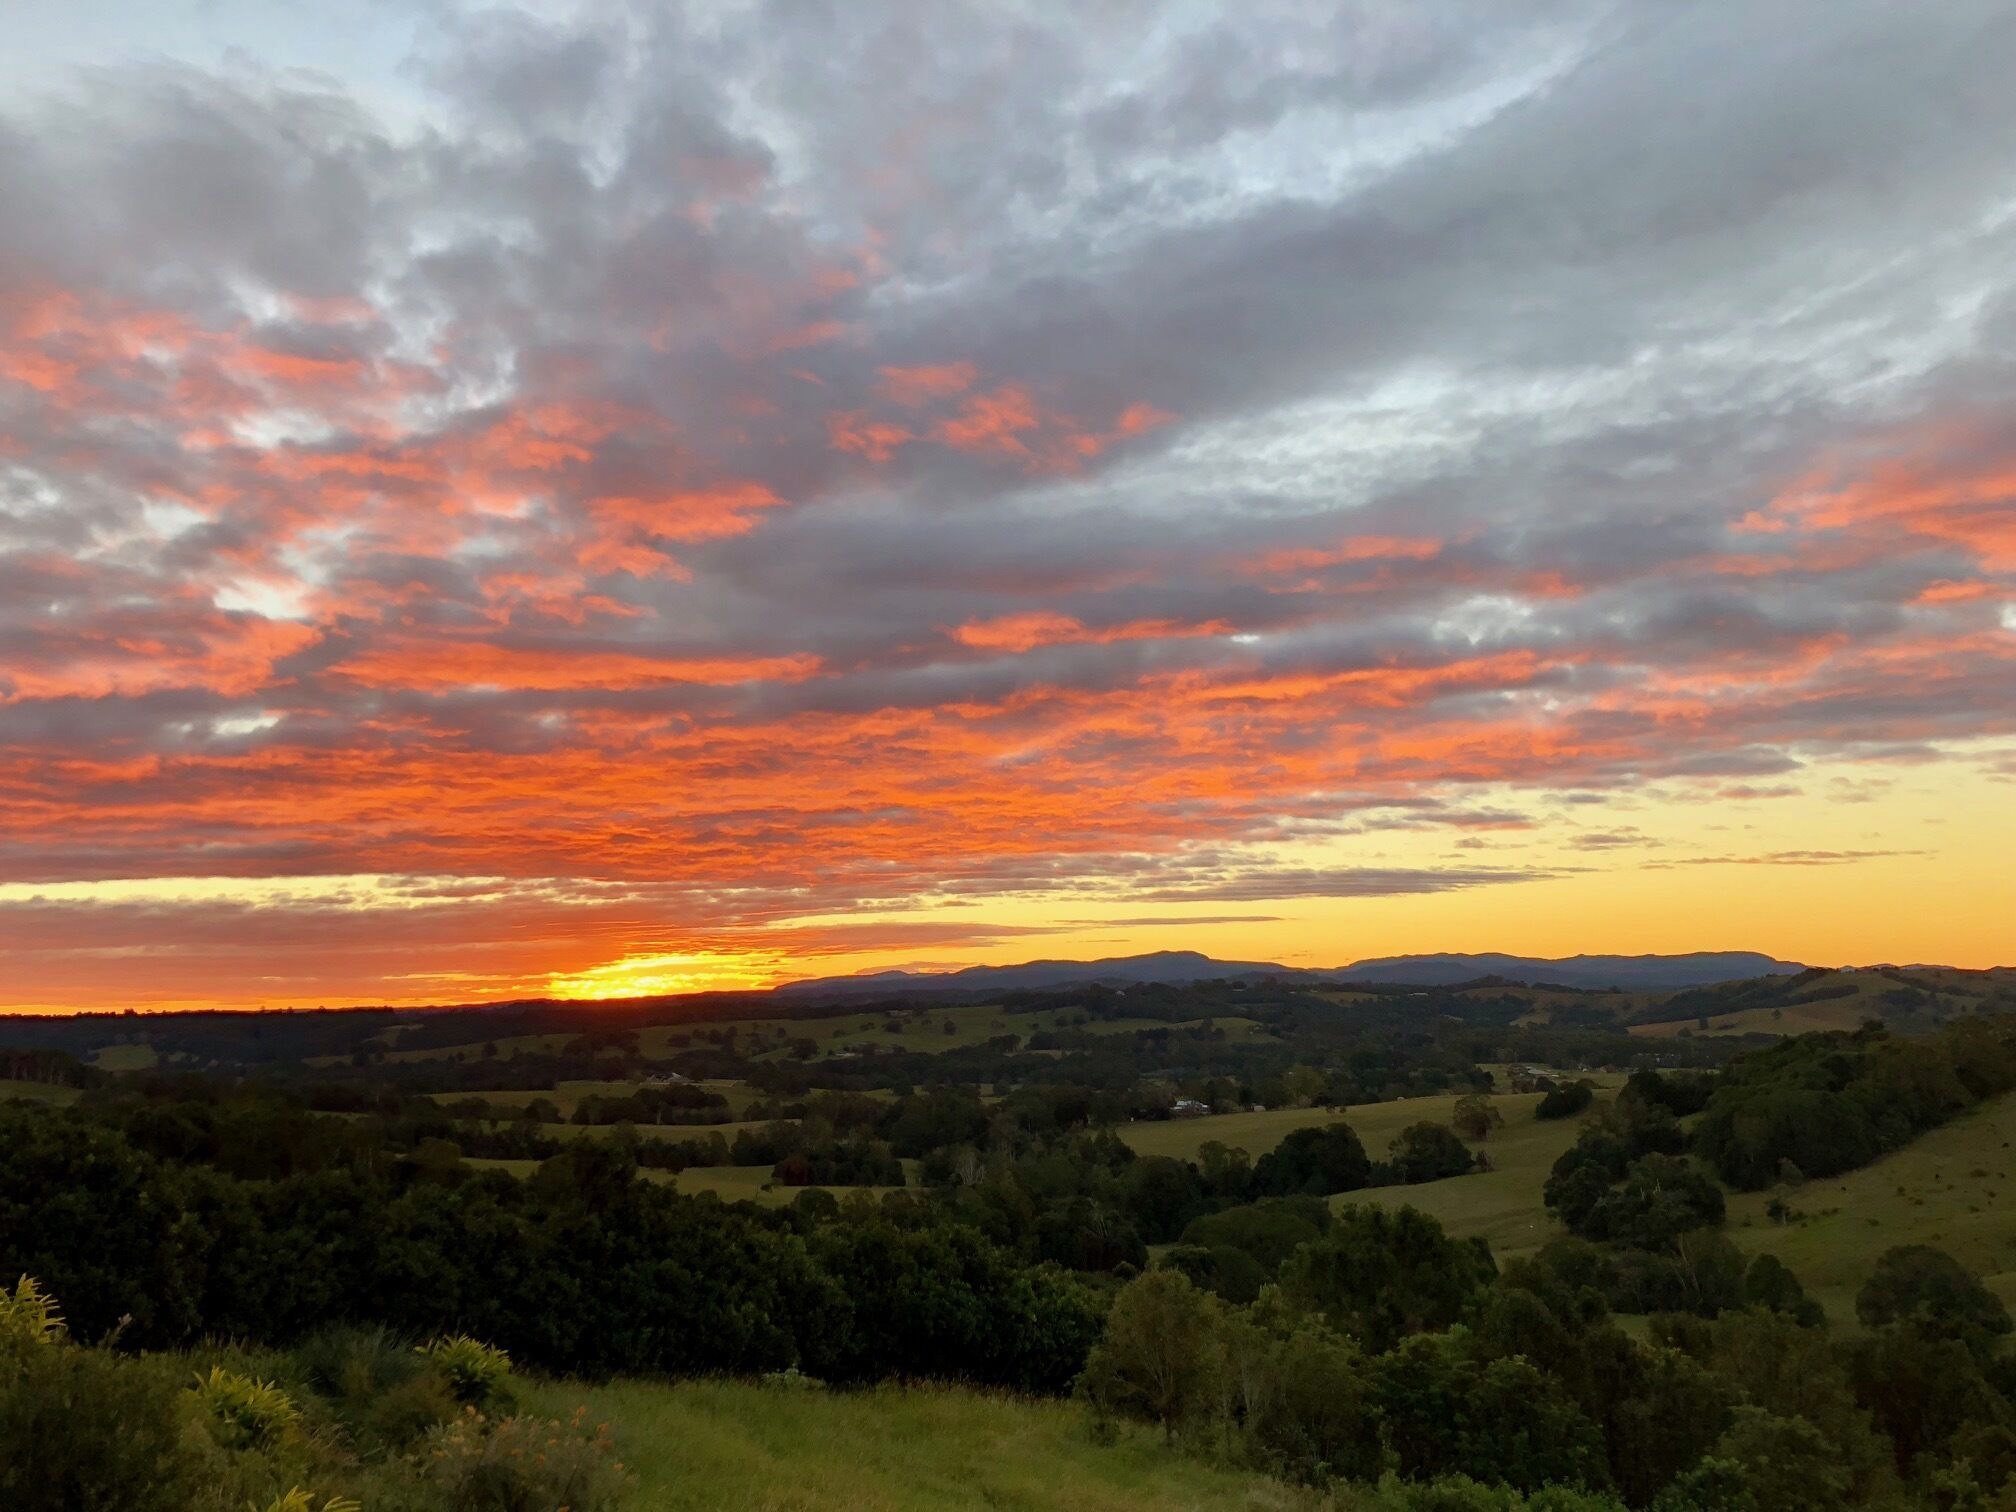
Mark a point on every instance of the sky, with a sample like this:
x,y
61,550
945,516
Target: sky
x,y
603,498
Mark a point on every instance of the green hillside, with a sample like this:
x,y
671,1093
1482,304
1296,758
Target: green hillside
x,y
1503,1204
1951,1188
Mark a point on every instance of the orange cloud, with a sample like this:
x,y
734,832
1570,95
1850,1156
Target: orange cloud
x,y
700,514
1367,548
994,423
433,666
855,432
1037,628
1954,483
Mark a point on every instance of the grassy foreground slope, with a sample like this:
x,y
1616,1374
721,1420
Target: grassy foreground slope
x,y
718,1446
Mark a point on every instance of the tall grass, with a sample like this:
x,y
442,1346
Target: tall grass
x,y
720,1446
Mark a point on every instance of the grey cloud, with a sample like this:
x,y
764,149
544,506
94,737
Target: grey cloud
x,y
1341,882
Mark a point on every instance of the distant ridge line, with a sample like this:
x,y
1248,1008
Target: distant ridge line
x,y
1632,972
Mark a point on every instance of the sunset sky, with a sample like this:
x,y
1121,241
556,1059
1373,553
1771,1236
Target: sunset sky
x,y
606,498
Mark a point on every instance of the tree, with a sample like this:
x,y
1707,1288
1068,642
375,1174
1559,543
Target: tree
x,y
1566,1100
1161,1356
1311,1417
1161,1195
1227,1172
1381,1275
1428,1152
1475,1116
1661,1198
1934,1295
1769,1284
1269,1231
1316,1161
1510,1422
1713,1485
1794,1372
1786,1463
1672,1413
1228,1273
1921,1391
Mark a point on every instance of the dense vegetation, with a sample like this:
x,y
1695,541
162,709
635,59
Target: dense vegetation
x,y
1831,1102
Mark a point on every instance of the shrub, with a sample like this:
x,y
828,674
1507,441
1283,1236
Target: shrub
x,y
84,1429
474,1371
244,1412
299,1500
523,1464
28,1317
379,1388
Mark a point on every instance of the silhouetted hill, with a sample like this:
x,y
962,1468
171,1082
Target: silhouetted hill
x,y
1031,976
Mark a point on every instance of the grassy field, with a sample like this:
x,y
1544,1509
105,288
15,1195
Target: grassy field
x,y
567,1095
1951,1188
1255,1133
729,1183
126,1058
711,1446
1376,1123
1503,1204
27,1091
753,1184
728,1131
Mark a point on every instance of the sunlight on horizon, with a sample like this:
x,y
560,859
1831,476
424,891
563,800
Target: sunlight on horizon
x,y
662,975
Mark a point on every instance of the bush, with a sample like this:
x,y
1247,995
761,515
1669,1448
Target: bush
x,y
28,1318
243,1412
381,1389
82,1430
474,1371
523,1464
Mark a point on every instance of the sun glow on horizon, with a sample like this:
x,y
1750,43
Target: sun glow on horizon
x,y
664,975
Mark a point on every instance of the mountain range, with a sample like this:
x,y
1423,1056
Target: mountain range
x,y
1635,973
